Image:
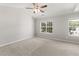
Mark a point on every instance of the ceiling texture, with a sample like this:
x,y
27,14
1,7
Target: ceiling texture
x,y
51,9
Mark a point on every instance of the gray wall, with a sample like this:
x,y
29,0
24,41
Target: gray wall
x,y
15,24
60,27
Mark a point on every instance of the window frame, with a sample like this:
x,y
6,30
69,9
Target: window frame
x,y
46,27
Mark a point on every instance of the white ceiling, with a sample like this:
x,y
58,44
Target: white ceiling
x,y
16,5
52,8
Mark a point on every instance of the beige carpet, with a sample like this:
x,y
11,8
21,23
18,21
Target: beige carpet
x,y
40,47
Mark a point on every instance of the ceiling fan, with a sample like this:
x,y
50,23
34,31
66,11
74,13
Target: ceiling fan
x,y
37,8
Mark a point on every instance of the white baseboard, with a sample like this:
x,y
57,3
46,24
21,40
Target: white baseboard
x,y
63,40
66,41
8,43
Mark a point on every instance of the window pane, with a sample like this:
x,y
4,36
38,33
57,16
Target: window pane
x,y
49,27
49,23
43,27
46,27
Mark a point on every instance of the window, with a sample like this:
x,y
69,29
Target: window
x,y
73,27
47,27
43,27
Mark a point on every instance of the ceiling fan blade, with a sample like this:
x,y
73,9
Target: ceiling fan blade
x,y
34,4
33,11
43,6
42,11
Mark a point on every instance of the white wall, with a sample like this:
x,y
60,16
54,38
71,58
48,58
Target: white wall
x,y
57,23
60,27
15,24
